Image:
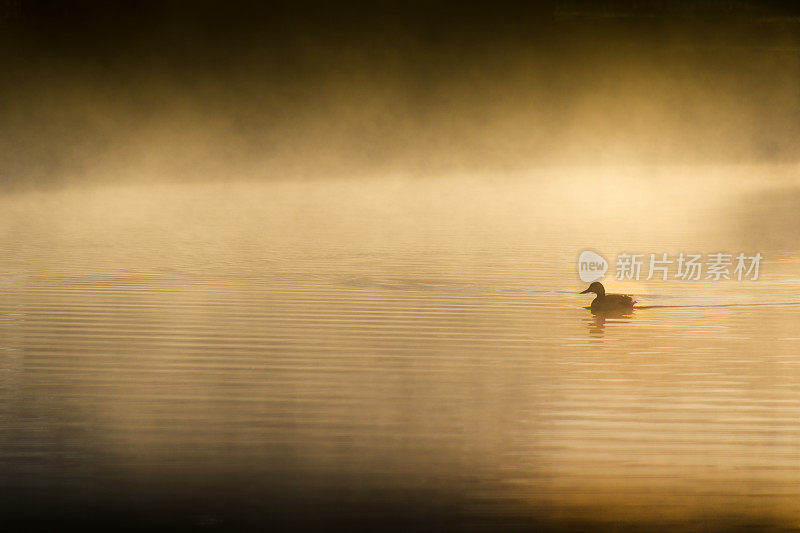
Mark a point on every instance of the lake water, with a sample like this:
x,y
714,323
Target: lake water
x,y
400,352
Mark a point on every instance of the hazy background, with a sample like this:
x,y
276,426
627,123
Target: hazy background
x,y
302,265
95,91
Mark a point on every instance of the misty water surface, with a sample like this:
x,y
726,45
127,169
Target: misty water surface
x,y
420,339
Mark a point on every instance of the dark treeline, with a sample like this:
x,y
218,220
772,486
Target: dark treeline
x,y
202,90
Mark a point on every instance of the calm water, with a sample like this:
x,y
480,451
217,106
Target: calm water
x,y
403,344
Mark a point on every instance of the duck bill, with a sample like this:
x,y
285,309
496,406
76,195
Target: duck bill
x,y
584,292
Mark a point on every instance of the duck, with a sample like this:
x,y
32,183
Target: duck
x,y
604,303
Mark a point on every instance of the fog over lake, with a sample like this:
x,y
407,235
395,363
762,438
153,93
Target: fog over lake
x,y
305,268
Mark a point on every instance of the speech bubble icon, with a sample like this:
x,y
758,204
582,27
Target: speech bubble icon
x,y
591,266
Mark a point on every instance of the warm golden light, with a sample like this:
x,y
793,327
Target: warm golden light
x,y
269,267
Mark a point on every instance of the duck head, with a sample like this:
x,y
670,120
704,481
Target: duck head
x,y
597,288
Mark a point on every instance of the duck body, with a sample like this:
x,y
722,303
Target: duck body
x,y
612,302
605,303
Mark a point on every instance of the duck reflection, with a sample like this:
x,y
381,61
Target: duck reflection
x,y
597,322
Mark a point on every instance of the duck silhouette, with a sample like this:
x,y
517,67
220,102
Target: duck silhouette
x,y
608,303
